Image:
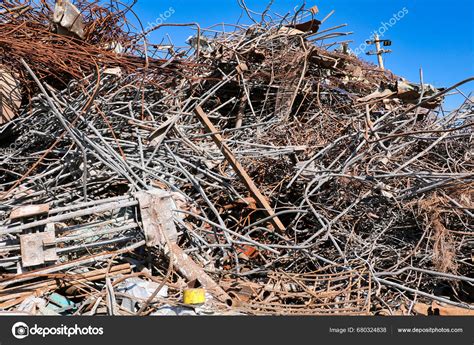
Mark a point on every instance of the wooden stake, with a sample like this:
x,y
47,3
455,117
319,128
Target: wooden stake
x,y
239,169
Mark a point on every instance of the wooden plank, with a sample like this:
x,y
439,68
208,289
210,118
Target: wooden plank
x,y
29,211
59,281
239,169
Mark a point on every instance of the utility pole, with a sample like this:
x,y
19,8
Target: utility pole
x,y
379,53
378,50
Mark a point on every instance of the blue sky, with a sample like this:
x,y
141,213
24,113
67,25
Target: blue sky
x,y
435,35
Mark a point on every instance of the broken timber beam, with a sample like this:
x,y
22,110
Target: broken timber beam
x,y
239,169
29,211
192,271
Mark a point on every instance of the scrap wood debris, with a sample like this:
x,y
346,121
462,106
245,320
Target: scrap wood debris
x,y
257,171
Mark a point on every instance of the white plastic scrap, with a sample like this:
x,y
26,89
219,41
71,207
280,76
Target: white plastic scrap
x,y
204,44
139,288
168,310
35,306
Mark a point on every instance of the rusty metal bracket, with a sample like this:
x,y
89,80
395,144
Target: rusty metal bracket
x,y
38,248
156,208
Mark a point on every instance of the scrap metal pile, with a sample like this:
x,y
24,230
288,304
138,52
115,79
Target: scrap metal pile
x,y
259,164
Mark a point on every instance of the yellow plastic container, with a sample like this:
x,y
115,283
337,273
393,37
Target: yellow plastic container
x,y
194,296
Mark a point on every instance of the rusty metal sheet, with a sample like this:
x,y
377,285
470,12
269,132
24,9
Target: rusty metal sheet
x,y
311,26
68,18
314,10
